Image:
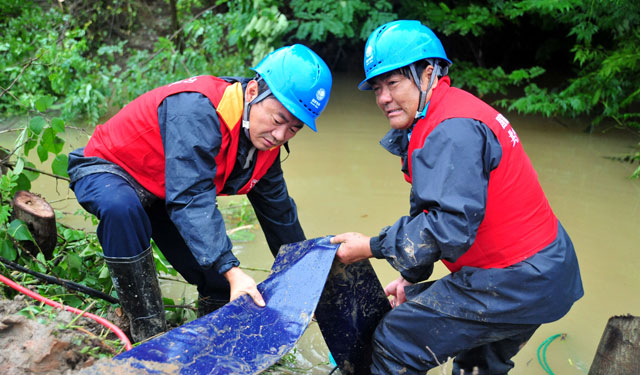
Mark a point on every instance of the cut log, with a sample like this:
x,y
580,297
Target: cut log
x,y
40,219
619,348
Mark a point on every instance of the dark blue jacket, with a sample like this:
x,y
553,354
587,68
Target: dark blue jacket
x,y
191,139
540,289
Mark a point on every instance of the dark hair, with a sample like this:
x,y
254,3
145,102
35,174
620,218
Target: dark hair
x,y
262,86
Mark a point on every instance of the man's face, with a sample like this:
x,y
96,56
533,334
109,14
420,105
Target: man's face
x,y
271,124
397,96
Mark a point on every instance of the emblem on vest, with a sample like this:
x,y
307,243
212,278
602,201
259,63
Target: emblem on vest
x,y
253,183
188,80
512,133
502,120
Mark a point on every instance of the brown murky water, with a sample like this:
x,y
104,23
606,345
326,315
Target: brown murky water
x,y
342,180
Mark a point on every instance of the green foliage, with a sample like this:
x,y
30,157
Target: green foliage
x,y
607,53
84,71
601,36
77,257
44,54
240,216
489,81
43,135
177,316
315,20
605,49
265,29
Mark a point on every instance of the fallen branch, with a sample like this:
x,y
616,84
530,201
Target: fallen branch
x,y
232,231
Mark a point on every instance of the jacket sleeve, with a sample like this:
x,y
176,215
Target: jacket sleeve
x,y
450,181
275,209
191,138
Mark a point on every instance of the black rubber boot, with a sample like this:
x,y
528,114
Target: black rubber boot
x,y
136,283
207,305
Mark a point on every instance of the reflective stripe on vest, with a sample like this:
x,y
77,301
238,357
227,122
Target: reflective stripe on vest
x,y
518,220
132,137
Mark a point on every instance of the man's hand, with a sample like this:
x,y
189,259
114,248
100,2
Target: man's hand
x,y
353,247
241,283
396,289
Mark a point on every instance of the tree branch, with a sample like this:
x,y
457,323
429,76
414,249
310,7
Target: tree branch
x,y
24,67
11,165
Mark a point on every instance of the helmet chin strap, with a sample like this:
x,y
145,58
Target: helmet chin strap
x,y
423,94
245,121
247,106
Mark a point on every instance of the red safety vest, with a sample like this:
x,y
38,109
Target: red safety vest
x,y
132,137
518,220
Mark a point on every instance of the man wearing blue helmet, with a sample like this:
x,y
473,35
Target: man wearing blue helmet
x,y
154,170
476,205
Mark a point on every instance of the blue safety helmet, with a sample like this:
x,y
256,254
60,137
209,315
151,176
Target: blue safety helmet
x,y
299,79
397,44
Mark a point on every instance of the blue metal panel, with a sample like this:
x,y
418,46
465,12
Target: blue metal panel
x,y
352,304
241,338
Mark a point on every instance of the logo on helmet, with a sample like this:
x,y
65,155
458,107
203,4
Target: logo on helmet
x,y
368,55
320,94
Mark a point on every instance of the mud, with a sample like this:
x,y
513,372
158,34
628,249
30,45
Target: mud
x,y
42,345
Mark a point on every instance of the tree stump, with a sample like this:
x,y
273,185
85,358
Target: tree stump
x,y
3,155
3,168
619,348
40,219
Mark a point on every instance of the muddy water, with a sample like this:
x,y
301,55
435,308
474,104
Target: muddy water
x,y
342,180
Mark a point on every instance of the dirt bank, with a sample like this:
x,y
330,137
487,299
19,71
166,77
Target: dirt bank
x,y
49,343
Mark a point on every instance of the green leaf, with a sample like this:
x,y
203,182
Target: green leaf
x,y
30,145
22,183
44,102
17,169
71,235
57,124
60,164
91,280
74,261
37,124
5,213
42,153
104,272
31,176
19,230
7,250
51,142
72,301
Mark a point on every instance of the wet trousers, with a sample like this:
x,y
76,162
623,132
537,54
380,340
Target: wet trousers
x,y
126,229
413,338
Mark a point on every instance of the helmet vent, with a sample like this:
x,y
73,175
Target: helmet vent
x,y
381,29
316,113
371,67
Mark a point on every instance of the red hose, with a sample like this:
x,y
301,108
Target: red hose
x,y
112,327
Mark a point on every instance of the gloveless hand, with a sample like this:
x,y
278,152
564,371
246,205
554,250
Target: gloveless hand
x,y
241,283
396,289
354,247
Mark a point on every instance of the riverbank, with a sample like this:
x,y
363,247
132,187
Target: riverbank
x,y
39,340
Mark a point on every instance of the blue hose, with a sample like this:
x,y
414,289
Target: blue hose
x,y
333,363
